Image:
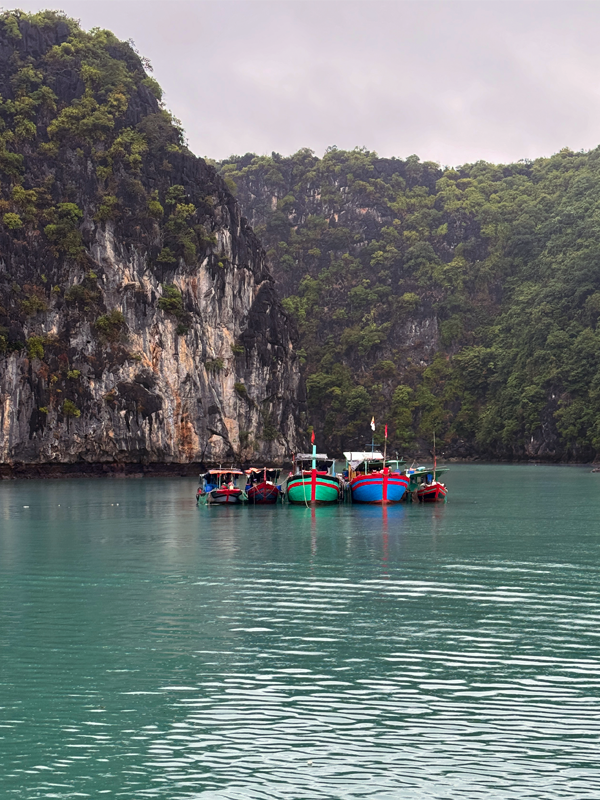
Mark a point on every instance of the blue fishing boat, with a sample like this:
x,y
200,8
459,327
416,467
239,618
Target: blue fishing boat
x,y
373,479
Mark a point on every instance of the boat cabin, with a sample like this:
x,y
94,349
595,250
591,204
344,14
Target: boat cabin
x,y
363,462
256,475
303,463
419,476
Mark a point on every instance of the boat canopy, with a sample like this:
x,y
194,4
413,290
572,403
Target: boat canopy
x,y
310,456
355,459
426,470
260,470
225,472
365,455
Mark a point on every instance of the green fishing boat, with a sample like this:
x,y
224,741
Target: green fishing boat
x,y
316,486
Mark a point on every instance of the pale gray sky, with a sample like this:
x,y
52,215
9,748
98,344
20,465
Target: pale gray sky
x,y
450,80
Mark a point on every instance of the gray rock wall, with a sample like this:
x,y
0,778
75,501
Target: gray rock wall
x,y
150,397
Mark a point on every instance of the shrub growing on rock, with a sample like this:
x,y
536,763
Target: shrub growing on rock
x,y
63,231
109,326
214,364
33,304
12,221
35,347
85,293
172,301
69,409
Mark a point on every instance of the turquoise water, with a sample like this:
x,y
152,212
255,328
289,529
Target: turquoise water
x,y
152,649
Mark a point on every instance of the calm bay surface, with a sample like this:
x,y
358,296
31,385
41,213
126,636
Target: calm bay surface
x,y
153,649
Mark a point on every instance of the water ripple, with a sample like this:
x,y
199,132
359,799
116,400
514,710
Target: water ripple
x,y
156,650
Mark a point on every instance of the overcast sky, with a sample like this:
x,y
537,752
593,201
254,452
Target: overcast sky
x,y
450,80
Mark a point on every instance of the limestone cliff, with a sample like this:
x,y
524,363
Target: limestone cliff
x,y
138,319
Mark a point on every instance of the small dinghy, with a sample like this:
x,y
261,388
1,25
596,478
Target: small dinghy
x,y
432,492
424,485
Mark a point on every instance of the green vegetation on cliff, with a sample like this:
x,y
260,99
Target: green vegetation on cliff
x,y
84,143
462,301
126,271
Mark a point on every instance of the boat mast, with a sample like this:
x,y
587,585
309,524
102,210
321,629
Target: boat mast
x,y
385,447
434,458
313,477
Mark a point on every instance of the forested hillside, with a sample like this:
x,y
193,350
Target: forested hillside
x,y
461,301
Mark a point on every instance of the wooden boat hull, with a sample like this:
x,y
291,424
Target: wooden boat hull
x,y
313,488
263,494
378,488
432,492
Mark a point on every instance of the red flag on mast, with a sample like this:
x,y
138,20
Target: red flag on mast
x,y
312,438
386,431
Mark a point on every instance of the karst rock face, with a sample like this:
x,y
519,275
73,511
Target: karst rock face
x,y
138,319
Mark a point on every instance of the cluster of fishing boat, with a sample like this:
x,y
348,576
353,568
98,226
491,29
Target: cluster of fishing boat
x,y
368,477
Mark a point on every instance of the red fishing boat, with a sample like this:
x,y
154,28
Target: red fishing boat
x,y
432,492
218,487
262,492
424,482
